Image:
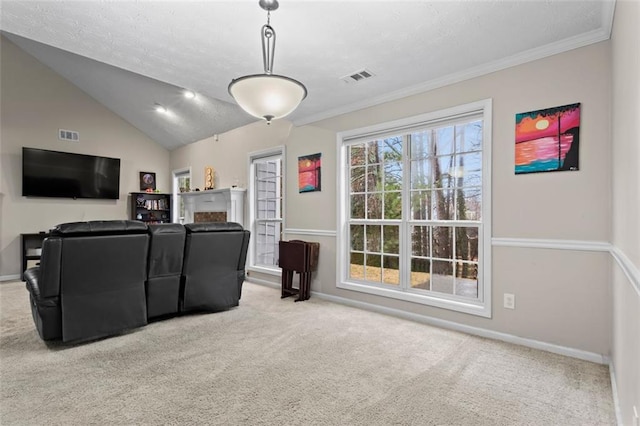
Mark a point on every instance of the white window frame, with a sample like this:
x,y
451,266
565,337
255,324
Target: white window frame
x,y
175,190
481,307
253,157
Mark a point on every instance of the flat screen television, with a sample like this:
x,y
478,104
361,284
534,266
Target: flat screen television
x,y
67,175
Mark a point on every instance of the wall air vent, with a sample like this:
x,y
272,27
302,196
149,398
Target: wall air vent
x,y
68,135
357,76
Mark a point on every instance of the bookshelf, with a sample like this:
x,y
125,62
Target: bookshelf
x,y
150,207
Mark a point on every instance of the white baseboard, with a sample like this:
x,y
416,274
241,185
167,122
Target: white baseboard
x,y
614,388
491,334
496,335
9,277
262,282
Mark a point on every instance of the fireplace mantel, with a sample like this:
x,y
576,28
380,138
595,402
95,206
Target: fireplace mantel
x,y
229,200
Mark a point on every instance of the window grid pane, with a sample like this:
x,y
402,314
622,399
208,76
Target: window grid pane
x,y
375,194
267,210
445,188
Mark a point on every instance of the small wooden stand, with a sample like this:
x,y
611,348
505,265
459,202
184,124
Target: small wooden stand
x,y
301,257
29,244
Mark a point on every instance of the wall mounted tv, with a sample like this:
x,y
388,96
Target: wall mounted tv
x,y
68,175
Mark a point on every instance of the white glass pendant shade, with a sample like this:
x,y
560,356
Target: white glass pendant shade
x,y
267,96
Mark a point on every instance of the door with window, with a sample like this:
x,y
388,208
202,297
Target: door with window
x,y
266,208
181,183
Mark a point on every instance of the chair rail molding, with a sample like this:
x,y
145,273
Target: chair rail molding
x,y
315,232
555,244
630,270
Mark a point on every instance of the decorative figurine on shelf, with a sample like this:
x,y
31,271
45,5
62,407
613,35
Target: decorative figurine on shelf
x,y
208,178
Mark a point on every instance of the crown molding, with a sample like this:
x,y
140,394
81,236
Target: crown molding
x,y
601,34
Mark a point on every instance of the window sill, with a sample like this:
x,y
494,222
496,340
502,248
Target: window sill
x,y
478,309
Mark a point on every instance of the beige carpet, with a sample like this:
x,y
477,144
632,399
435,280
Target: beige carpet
x,y
276,362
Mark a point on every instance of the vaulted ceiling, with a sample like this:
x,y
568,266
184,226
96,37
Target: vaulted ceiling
x,y
130,55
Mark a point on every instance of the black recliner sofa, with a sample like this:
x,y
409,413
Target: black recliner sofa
x,y
100,278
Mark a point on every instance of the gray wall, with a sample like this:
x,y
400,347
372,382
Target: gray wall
x,y
626,206
34,103
562,296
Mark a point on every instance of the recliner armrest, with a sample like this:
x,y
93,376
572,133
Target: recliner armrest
x,y
31,276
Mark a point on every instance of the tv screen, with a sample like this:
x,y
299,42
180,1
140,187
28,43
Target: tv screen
x,y
67,175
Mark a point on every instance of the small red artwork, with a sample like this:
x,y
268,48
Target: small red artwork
x,y
309,173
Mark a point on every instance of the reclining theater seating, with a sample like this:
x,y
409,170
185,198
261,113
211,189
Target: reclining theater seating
x,y
90,282
213,271
100,278
166,252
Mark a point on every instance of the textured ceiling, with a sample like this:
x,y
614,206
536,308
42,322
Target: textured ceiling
x,y
129,55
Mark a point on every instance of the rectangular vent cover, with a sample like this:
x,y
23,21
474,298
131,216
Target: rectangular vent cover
x,y
357,76
68,135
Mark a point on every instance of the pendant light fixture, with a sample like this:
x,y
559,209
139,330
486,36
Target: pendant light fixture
x,y
268,96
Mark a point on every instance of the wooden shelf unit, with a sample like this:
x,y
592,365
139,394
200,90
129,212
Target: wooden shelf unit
x,y
150,207
29,244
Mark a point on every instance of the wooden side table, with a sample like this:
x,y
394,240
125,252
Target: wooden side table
x,y
30,248
301,257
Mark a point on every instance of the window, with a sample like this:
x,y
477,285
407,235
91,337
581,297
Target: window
x,y
181,183
266,207
415,209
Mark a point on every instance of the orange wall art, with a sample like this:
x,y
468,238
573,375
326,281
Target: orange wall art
x,y
547,140
309,173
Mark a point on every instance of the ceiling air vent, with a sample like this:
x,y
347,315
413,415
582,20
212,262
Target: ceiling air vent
x,y
358,76
68,135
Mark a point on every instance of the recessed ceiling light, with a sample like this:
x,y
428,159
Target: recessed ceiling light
x,y
161,109
189,94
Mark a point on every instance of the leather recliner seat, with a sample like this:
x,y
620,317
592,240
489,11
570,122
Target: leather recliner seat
x,y
90,282
100,278
166,253
213,271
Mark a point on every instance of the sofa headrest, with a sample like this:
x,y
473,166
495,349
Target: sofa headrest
x,y
100,227
213,227
166,228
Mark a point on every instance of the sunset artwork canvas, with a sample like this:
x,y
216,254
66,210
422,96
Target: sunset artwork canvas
x,y
547,140
309,173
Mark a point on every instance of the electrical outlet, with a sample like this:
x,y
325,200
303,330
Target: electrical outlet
x,y
509,301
